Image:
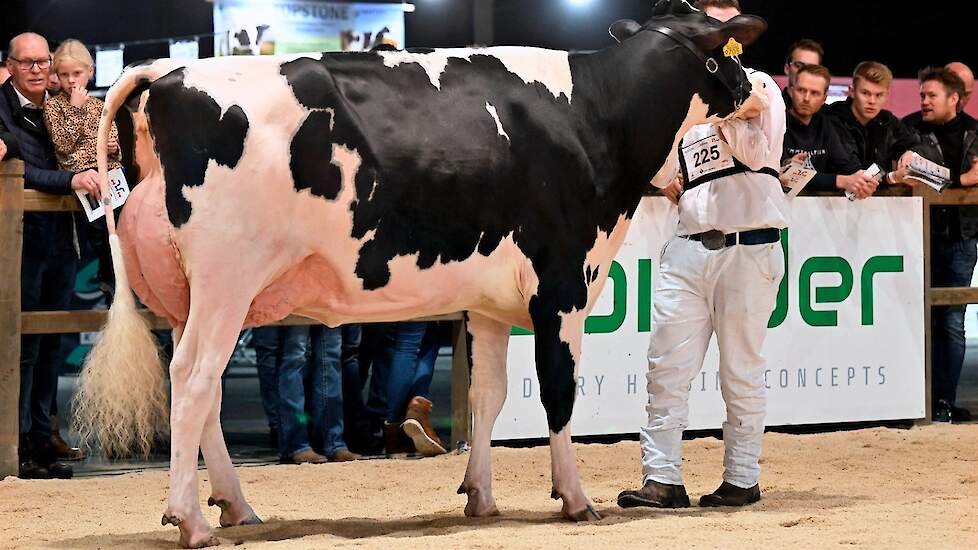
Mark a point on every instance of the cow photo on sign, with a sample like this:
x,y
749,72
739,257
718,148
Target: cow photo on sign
x,y
379,186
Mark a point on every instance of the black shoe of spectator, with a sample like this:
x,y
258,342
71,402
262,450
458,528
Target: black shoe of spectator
x,y
28,469
960,414
942,411
46,457
60,470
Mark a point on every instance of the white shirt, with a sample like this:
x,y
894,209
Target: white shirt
x,y
26,103
746,200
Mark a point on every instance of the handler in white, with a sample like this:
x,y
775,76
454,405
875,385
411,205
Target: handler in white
x,y
719,274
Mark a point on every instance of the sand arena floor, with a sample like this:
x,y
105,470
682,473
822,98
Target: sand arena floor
x,y
881,488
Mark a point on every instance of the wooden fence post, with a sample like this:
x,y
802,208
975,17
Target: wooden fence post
x,y
461,416
11,243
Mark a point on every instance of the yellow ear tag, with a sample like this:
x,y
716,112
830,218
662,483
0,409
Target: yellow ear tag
x,y
733,48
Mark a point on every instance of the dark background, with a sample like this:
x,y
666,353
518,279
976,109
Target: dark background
x,y
905,36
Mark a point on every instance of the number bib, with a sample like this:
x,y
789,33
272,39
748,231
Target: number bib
x,y
704,157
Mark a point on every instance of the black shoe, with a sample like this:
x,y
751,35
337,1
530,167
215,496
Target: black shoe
x,y
28,469
46,457
942,413
960,414
731,495
655,495
60,470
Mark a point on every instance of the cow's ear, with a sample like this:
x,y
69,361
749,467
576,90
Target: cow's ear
x,y
743,28
623,29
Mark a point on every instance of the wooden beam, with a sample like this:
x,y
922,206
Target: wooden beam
x,y
953,296
36,201
928,336
11,243
461,374
68,322
91,320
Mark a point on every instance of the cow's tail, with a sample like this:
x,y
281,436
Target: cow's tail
x,y
121,402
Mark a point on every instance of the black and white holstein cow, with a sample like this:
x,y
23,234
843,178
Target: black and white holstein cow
x,y
360,187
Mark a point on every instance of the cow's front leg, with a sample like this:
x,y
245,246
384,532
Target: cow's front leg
x,y
558,350
487,343
225,487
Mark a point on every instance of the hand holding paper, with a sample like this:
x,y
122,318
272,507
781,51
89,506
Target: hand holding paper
x,y
118,190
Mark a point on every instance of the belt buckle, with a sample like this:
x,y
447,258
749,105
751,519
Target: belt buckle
x,y
713,240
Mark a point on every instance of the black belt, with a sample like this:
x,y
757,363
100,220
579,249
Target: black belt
x,y
715,240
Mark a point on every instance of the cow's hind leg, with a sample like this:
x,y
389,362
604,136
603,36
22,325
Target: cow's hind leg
x,y
216,316
557,338
225,488
488,340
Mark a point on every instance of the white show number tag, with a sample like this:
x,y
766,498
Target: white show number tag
x,y
706,156
118,189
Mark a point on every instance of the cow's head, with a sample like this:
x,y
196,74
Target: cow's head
x,y
724,84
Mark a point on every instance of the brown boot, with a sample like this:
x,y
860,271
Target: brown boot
x,y
308,456
61,449
343,455
396,442
417,425
655,495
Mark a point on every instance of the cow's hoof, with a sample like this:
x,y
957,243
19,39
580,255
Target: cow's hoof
x,y
479,505
204,542
587,514
226,521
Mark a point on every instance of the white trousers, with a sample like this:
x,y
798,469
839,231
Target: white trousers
x,y
730,292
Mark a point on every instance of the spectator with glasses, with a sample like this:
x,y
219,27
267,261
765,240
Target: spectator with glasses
x,y
50,251
803,52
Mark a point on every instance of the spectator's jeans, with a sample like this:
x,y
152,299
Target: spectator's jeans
x,y
410,355
266,343
290,344
334,352
47,281
952,264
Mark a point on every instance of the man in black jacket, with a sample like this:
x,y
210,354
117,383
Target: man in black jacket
x,y
875,134
950,138
50,245
810,134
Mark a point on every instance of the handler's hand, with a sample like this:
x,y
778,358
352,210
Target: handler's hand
x,y
113,146
674,190
3,149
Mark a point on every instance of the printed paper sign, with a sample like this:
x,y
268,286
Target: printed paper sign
x,y
118,189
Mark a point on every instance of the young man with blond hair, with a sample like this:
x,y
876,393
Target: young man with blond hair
x,y
875,134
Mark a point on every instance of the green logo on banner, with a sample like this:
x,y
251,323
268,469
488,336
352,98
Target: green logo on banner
x,y
611,322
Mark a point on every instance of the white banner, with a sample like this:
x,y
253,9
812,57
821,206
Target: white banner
x,y
847,336
266,27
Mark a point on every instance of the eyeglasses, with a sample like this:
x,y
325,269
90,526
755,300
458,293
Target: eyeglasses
x,y
797,65
28,64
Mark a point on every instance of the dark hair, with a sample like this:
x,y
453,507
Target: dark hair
x,y
806,44
817,70
951,81
703,4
